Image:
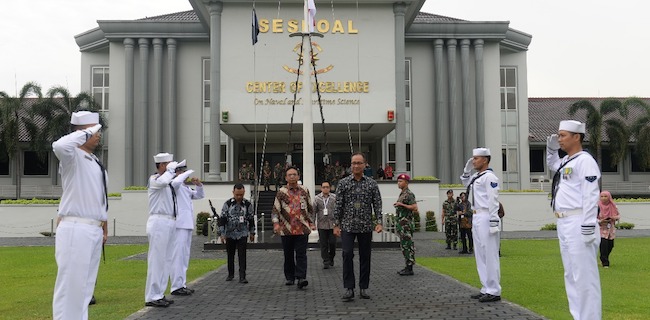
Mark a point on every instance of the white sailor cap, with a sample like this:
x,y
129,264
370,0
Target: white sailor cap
x,y
81,118
163,157
572,126
481,152
182,165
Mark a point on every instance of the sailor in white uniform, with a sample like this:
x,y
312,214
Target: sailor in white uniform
x,y
161,227
575,203
484,187
184,227
82,216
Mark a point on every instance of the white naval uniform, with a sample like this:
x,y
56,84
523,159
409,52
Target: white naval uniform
x,y
161,226
578,192
485,193
184,227
79,235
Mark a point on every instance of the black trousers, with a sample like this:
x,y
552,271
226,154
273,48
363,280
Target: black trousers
x,y
347,243
606,246
464,235
295,256
240,246
327,241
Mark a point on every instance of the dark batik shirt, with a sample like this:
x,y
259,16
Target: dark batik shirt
x,y
355,203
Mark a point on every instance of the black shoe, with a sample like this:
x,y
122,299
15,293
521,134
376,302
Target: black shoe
x,y
190,290
332,263
455,248
477,296
289,282
326,265
243,280
348,296
181,292
168,300
462,252
92,301
408,271
489,298
471,251
448,248
363,294
229,278
302,283
160,303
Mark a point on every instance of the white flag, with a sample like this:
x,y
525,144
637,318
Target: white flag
x,y
311,7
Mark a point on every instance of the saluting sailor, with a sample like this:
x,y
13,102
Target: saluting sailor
x,y
82,216
484,187
575,203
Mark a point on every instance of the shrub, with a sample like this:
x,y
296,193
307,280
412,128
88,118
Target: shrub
x,y
201,218
550,226
135,188
425,178
31,201
625,225
432,225
115,194
451,186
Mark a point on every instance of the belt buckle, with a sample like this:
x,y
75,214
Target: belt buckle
x,y
473,211
559,214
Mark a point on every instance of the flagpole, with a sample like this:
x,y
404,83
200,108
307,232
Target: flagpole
x,y
308,174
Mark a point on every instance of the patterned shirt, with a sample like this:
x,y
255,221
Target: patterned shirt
x,y
355,202
405,197
449,208
324,208
240,219
293,211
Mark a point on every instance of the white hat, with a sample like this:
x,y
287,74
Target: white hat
x,y
163,157
81,118
572,126
182,165
481,152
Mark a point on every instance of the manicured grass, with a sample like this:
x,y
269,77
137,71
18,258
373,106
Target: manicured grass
x,y
533,277
27,276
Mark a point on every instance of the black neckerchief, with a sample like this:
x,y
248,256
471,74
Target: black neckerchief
x,y
556,181
101,166
469,186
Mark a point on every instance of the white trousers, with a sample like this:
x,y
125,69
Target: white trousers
x,y
486,251
160,232
78,247
181,257
581,278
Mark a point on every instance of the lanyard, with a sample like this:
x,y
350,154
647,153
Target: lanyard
x,y
556,181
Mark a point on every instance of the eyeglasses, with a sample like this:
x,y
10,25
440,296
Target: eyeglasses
x,y
358,163
292,174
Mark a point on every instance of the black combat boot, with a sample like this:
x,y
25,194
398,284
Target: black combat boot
x,y
408,271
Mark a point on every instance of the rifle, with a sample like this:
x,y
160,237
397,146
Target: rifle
x,y
221,220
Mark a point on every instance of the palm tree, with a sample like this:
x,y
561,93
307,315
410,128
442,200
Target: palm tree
x,y
641,131
616,129
10,122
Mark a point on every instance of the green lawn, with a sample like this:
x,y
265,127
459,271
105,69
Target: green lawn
x,y
532,276
27,276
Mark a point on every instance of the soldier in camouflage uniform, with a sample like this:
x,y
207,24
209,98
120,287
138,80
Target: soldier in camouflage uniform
x,y
266,176
277,176
450,220
406,207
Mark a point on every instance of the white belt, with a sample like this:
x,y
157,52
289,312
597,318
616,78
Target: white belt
x,y
567,213
481,211
166,216
91,222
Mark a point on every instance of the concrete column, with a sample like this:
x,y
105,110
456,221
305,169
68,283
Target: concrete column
x,y
128,108
170,110
469,119
480,94
156,114
442,116
144,150
455,111
216,7
399,9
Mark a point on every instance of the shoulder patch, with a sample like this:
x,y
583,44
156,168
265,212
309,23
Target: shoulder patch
x,y
591,178
494,184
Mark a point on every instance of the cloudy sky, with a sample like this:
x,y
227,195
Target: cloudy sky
x,y
580,48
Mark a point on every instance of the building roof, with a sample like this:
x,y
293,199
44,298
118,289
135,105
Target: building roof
x,y
188,15
545,114
425,17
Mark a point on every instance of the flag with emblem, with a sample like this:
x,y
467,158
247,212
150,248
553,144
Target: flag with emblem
x,y
255,27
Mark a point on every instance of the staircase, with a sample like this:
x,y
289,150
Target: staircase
x,y
265,205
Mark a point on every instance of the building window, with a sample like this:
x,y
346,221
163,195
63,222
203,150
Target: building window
x,y
537,159
35,166
509,158
100,87
391,156
508,86
206,158
636,163
4,164
607,165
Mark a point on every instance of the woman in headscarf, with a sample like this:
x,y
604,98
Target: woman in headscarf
x,y
607,217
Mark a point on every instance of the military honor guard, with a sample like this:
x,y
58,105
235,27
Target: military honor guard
x,y
450,220
406,207
82,215
484,188
238,225
184,226
575,195
324,204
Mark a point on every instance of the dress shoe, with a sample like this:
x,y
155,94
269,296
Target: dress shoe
x,y
463,252
348,296
181,292
289,282
363,294
448,248
302,283
243,280
92,301
160,303
191,290
489,298
477,296
168,300
229,278
326,265
332,263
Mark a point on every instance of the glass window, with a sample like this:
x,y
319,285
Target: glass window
x,y
4,165
636,163
33,165
510,160
100,86
607,165
508,84
537,159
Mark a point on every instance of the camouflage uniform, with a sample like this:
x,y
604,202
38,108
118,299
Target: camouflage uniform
x,y
405,226
277,174
451,223
266,177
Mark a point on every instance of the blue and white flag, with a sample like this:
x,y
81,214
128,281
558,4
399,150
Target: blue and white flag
x,y
255,28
